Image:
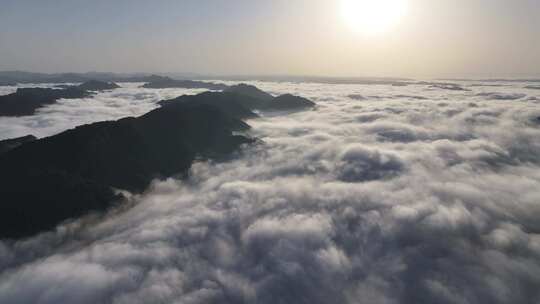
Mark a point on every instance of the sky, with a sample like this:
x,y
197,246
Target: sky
x,y
433,38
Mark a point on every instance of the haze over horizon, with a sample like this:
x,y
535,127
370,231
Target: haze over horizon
x,y
431,39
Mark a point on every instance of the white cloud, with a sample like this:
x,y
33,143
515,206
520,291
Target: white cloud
x,y
393,200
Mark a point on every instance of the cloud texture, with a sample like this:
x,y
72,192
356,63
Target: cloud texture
x,y
374,200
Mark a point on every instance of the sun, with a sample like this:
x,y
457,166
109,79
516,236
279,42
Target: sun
x,y
373,16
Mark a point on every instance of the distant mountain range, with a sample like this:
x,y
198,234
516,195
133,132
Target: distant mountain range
x,y
159,82
25,101
14,77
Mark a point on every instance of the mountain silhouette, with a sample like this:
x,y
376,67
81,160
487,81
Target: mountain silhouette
x,y
26,101
242,99
159,82
251,91
47,181
50,180
96,85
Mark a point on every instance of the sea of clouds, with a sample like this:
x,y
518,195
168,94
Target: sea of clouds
x,y
382,194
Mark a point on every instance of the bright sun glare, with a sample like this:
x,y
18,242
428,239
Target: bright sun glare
x,y
373,16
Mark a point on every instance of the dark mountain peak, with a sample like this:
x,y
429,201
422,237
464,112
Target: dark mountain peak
x,y
241,105
159,82
261,100
96,85
289,102
47,181
235,105
41,179
250,90
25,101
158,78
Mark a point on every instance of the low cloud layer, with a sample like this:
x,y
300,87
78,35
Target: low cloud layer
x,y
69,113
387,200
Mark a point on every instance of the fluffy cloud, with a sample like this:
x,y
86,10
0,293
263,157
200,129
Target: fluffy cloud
x,y
390,200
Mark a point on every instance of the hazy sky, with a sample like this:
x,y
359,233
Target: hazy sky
x,y
436,38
